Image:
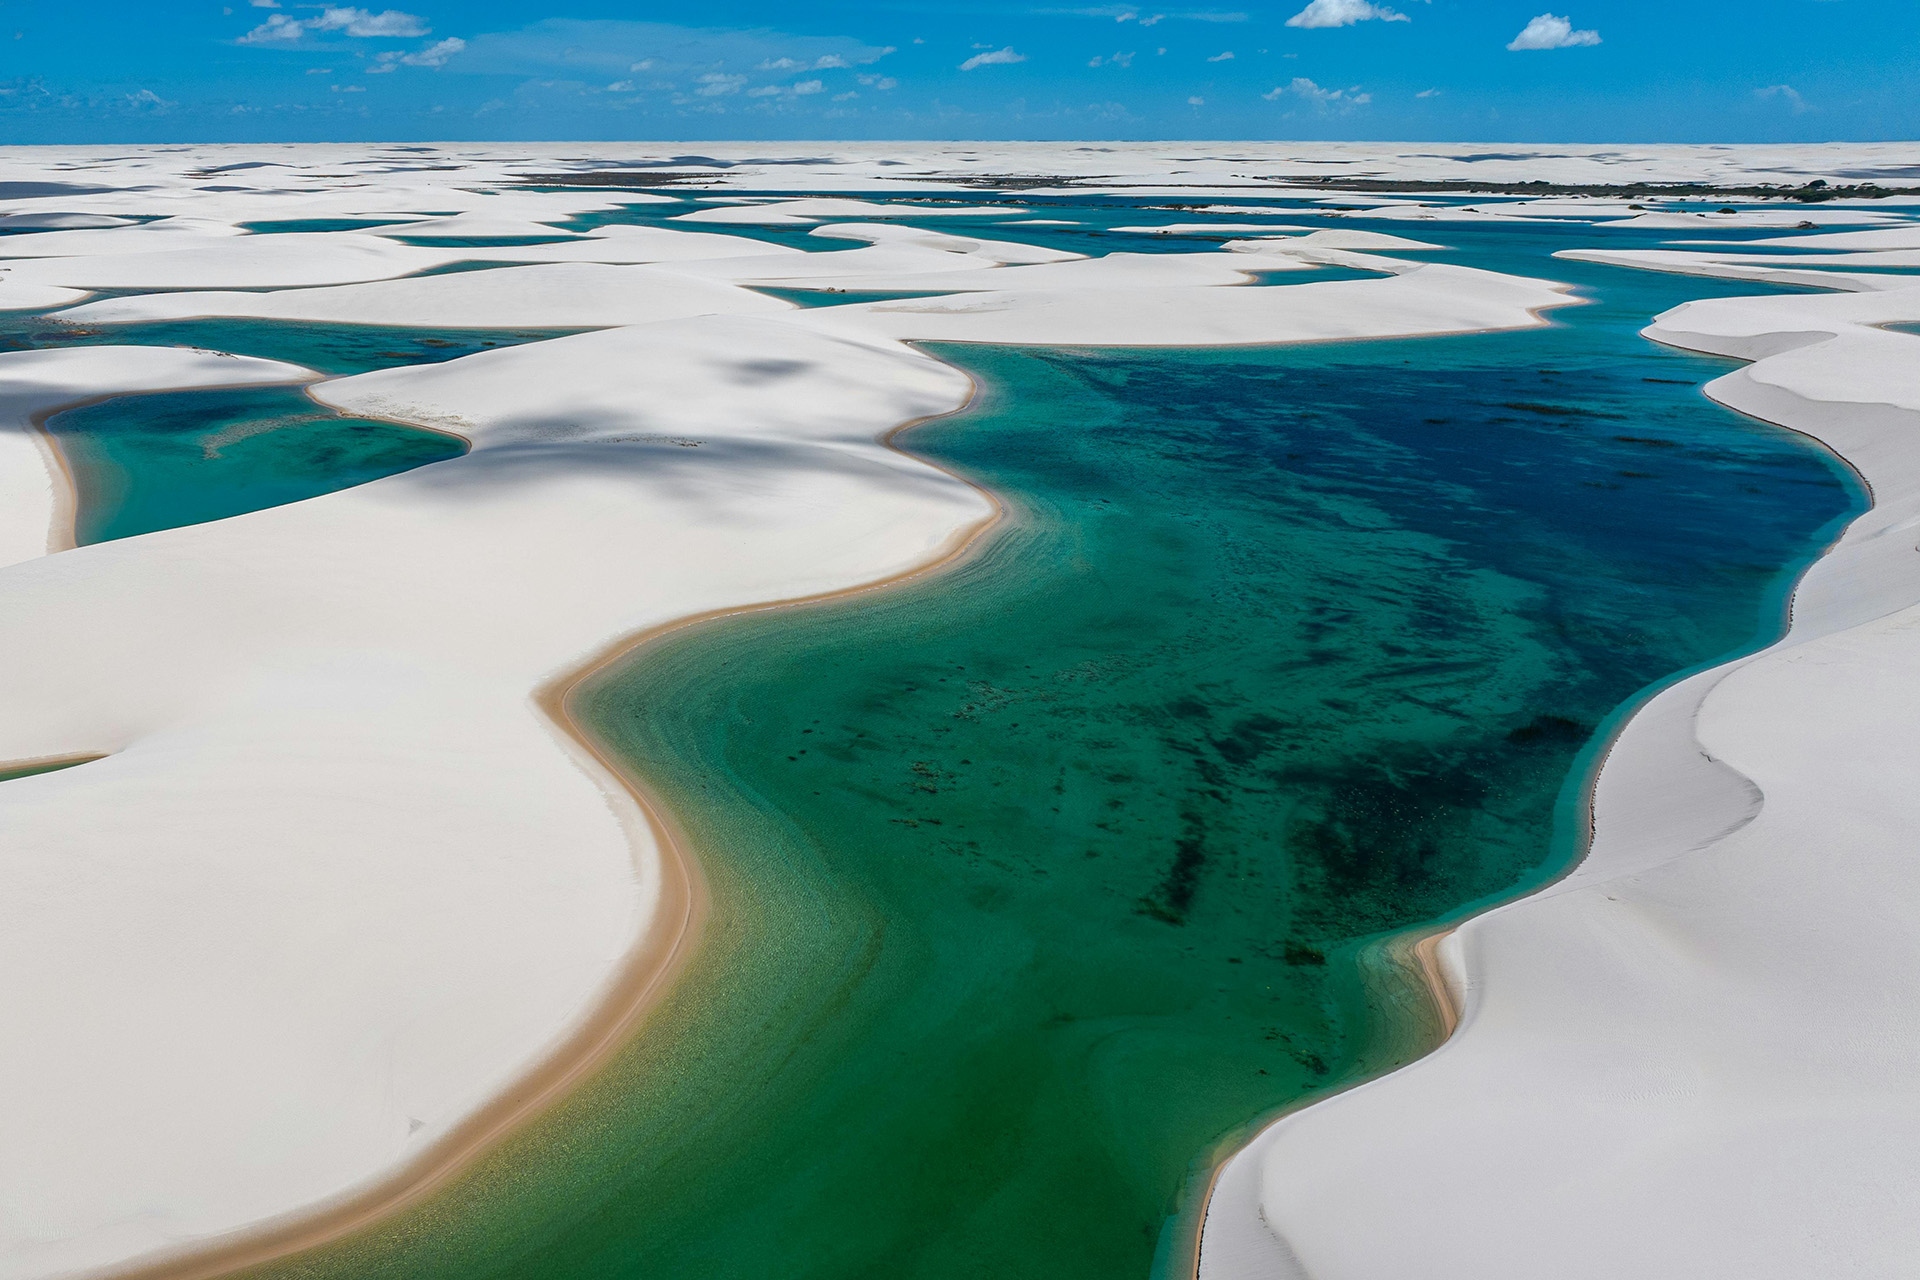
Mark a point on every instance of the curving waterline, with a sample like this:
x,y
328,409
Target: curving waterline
x,y
662,955
664,951
633,991
1831,345
63,527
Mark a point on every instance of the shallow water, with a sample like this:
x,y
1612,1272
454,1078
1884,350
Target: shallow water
x,y
156,461
1037,883
143,463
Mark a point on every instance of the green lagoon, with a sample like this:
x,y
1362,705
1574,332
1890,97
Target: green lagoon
x,y
147,462
1038,883
142,463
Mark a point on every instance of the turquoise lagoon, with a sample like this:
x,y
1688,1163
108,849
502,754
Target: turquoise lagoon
x,y
147,462
1037,884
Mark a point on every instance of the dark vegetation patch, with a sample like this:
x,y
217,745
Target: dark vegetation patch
x,y
1814,192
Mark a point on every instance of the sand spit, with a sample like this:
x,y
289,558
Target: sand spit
x,y
1422,299
1692,1057
339,876
562,295
1803,270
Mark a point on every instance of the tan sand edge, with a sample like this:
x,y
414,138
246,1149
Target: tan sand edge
x,y
62,529
635,990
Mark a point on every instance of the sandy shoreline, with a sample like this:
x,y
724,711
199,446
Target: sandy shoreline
x,y
664,949
62,530
1738,913
650,972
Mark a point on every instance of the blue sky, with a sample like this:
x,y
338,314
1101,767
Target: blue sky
x,y
1597,71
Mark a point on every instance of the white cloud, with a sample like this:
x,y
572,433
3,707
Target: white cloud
x,y
1787,93
1428,93
714,84
997,57
359,23
878,82
620,86
848,96
598,50
349,88
1196,102
1125,13
277,27
1322,99
1343,13
265,4
808,86
1550,32
435,54
1222,57
1113,60
764,91
780,64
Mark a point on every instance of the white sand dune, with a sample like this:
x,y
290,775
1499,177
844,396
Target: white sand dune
x,y
1113,271
1786,269
1903,237
1454,213
476,226
1692,1057
566,295
150,237
1327,239
1801,217
896,236
58,221
1424,299
629,244
1213,228
906,256
34,297
249,262
824,208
